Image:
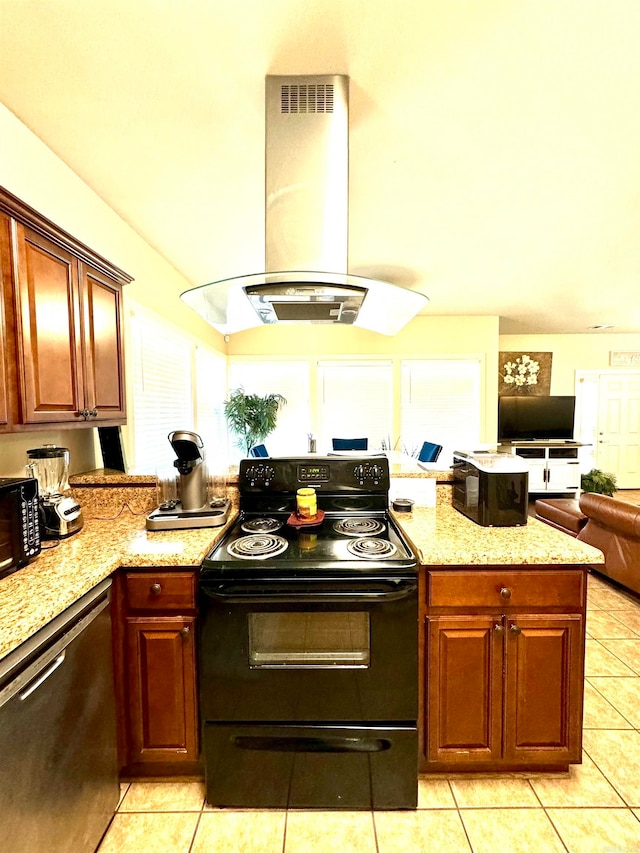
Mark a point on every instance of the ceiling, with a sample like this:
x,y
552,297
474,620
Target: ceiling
x,y
494,146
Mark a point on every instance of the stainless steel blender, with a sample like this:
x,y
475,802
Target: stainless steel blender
x,y
60,514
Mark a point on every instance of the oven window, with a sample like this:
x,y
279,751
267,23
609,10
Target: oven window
x,y
316,640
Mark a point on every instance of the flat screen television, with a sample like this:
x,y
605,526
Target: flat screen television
x,y
535,418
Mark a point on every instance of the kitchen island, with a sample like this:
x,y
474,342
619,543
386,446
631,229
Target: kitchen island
x,y
501,643
480,589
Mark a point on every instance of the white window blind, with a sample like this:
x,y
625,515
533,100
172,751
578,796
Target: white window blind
x,y
356,402
210,392
440,402
289,378
162,391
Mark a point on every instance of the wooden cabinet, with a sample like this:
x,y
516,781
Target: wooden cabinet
x,y
155,651
504,660
553,468
66,325
101,304
5,322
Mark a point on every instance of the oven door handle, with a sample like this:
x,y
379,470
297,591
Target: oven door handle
x,y
256,592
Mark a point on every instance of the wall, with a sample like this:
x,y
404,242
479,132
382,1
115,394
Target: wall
x,y
571,353
13,448
31,171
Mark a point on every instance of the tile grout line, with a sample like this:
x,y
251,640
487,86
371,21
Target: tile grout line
x,y
617,710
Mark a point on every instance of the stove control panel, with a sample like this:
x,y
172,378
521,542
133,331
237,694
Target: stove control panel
x,y
328,474
368,473
313,473
259,474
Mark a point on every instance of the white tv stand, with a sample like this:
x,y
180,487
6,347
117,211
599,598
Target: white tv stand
x,y
554,466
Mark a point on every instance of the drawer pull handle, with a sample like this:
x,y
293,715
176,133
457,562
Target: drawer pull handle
x,y
515,629
155,589
505,592
184,632
498,628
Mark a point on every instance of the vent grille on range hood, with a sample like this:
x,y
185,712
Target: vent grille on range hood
x,y
306,225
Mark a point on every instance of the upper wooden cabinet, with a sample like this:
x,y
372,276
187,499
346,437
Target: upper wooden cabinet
x,y
65,332
5,280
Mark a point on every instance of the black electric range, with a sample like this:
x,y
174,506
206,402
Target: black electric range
x,y
308,644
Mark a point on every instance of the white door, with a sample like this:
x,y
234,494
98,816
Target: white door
x,y
618,441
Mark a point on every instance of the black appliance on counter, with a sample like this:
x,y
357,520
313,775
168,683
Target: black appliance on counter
x,y
19,523
308,644
491,488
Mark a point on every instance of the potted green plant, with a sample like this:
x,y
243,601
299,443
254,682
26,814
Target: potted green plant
x,y
252,417
599,482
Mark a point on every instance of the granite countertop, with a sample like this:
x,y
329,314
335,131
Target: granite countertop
x,y
32,596
35,594
403,465
442,536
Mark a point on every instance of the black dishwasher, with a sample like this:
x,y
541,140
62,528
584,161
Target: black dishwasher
x,y
58,759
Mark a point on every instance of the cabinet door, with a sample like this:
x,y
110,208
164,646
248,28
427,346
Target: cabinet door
x,y
563,476
49,356
537,476
464,689
543,689
5,300
102,345
163,717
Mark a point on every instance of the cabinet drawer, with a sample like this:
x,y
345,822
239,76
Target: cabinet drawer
x,y
160,590
506,589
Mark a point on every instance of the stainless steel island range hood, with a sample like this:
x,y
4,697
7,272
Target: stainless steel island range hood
x,y
306,225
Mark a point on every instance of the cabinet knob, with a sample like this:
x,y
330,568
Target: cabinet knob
x,y
498,628
515,629
505,592
93,413
155,589
84,413
185,632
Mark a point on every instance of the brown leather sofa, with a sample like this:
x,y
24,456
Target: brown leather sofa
x,y
562,513
613,527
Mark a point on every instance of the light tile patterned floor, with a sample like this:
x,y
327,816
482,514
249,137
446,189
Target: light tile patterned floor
x,y
595,807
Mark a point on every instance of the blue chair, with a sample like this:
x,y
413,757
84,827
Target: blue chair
x,y
429,452
350,443
259,450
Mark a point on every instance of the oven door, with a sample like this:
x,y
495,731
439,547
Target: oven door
x,y
320,649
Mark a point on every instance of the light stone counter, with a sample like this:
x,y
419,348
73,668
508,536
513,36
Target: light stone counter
x,y
402,465
444,537
35,594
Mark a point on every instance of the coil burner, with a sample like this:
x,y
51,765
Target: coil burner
x,y
371,549
258,546
261,525
358,526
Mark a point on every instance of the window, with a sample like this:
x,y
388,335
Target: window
x,y
210,393
176,385
289,378
356,400
440,403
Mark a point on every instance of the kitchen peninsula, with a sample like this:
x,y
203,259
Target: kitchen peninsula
x,y
502,632
501,626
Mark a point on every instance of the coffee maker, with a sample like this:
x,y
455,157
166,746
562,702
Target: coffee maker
x,y
60,514
190,507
